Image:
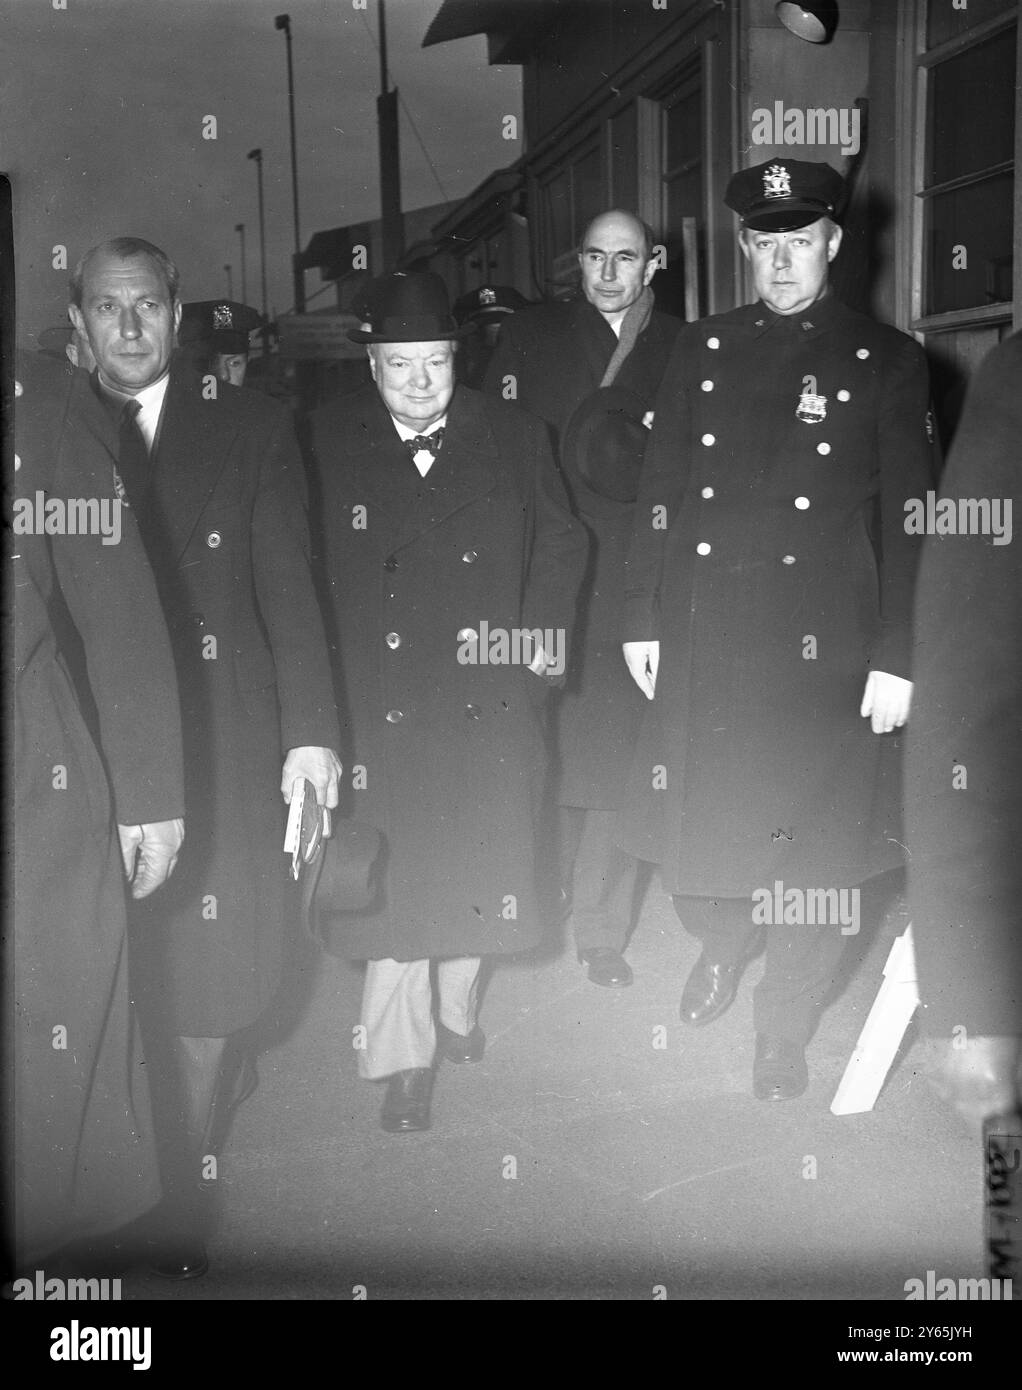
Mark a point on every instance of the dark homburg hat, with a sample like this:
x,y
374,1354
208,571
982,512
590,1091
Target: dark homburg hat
x,y
342,876
605,443
407,307
785,194
221,324
487,303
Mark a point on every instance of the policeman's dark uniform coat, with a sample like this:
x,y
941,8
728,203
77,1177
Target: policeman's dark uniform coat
x,y
82,1145
557,355
964,773
226,529
770,600
453,755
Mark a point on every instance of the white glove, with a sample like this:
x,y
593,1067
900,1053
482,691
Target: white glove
x,y
157,846
643,662
887,698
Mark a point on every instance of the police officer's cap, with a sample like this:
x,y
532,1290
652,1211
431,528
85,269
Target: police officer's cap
x,y
784,194
487,303
223,324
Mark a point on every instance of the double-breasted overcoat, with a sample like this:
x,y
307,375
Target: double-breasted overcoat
x,y
227,533
81,1152
451,748
556,355
771,560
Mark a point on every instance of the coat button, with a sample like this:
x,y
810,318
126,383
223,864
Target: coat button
x,y
213,539
713,343
706,385
844,395
823,447
470,557
472,711
467,634
393,640
18,389
17,463
394,716
787,559
709,439
703,548
707,492
390,563
862,353
802,503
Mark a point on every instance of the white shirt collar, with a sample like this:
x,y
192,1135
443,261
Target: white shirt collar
x,y
150,398
422,460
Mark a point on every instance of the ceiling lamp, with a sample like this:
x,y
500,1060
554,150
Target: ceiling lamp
x,y
815,22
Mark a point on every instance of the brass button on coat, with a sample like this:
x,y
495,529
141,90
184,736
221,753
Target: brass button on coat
x,y
393,640
394,716
213,539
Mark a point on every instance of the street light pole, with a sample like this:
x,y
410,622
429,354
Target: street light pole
x,y
257,155
230,282
240,229
283,21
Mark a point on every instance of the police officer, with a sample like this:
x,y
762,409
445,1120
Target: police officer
x,y
221,328
485,309
768,606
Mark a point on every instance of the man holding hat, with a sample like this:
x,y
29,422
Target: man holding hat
x,y
768,612
220,328
451,565
590,367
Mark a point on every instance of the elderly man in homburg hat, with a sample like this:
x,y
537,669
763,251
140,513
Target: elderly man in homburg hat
x,y
452,564
768,612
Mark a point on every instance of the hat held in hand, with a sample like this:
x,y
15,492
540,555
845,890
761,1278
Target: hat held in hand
x,y
342,876
605,443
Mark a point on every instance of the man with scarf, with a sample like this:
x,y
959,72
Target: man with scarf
x,y
590,367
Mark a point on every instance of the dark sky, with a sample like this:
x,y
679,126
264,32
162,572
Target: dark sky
x,y
101,119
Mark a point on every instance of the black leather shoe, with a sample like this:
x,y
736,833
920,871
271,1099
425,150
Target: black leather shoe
x,y
457,1047
185,1259
406,1104
779,1071
710,989
606,967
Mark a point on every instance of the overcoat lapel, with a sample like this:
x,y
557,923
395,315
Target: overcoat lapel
x,y
192,450
382,470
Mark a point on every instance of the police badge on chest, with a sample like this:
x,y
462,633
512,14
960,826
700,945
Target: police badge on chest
x,y
811,409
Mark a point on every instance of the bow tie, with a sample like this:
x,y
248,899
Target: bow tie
x,y
430,442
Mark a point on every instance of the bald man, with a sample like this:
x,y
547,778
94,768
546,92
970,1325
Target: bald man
x,y
590,367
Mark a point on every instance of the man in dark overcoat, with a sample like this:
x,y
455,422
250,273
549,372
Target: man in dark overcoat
x,y
590,367
768,608
80,1152
964,757
452,563
214,477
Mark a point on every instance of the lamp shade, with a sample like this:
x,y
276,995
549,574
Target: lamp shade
x,y
812,20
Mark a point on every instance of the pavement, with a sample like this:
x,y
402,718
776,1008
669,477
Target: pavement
x,y
600,1150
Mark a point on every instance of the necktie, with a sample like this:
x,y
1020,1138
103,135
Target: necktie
x,y
133,456
430,442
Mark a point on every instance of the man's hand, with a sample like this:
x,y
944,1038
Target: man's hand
x,y
887,698
157,846
320,765
643,662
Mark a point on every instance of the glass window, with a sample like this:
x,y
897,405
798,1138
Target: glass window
x,y
972,106
969,251
947,22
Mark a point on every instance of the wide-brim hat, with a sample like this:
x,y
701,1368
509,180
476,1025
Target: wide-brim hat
x,y
408,307
782,195
604,443
342,877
